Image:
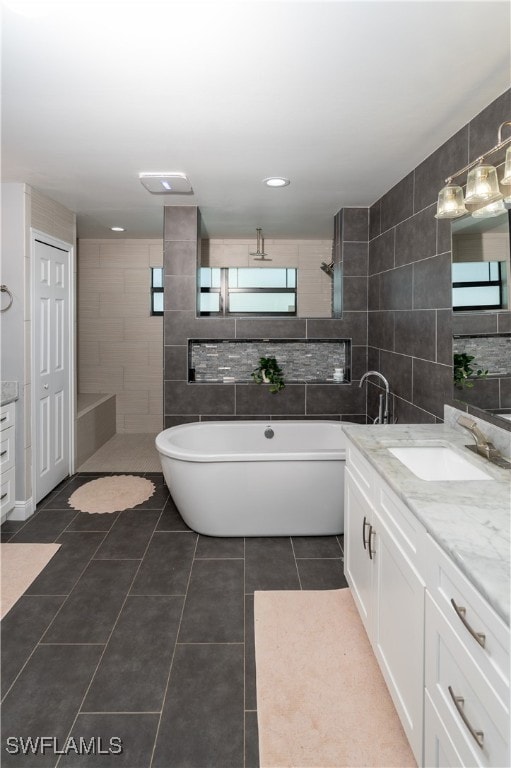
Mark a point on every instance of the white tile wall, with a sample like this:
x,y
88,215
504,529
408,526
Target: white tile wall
x,y
120,343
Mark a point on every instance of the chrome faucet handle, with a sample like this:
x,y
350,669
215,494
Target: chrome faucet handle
x,y
484,446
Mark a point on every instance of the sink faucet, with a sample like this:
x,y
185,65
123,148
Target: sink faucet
x,y
383,408
483,446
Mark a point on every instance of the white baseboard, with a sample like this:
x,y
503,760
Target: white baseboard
x,y
22,510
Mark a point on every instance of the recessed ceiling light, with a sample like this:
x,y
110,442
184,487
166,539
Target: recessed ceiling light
x,y
276,181
166,183
118,229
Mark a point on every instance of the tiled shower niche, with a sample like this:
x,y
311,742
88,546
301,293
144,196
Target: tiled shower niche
x,y
217,360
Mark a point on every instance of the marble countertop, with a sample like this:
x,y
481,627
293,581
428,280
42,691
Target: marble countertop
x,y
8,392
470,520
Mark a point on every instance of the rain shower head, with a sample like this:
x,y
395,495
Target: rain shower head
x,y
328,268
259,254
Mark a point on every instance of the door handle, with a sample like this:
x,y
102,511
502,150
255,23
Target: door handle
x,y
369,540
364,542
461,611
459,701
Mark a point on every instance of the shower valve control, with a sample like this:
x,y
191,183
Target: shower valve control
x,y
269,433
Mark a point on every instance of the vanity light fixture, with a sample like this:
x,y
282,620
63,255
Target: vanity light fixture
x,y
506,179
482,183
276,181
487,211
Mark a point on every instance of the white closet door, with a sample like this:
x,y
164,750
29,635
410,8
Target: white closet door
x,y
52,323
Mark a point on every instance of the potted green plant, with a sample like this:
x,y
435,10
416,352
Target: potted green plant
x,y
464,374
269,372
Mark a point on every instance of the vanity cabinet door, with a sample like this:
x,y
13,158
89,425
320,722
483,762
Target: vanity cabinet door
x,y
398,624
358,567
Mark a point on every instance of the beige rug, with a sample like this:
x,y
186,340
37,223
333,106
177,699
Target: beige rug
x,y
20,565
321,699
111,494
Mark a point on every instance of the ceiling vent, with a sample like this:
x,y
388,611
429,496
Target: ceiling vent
x,y
166,183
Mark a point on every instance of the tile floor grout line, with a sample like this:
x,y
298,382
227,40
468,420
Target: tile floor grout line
x,y
108,639
296,562
173,655
36,646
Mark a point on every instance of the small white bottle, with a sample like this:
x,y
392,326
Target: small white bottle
x,y
338,374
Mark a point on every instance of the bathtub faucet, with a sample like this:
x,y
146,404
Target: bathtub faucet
x,y
383,407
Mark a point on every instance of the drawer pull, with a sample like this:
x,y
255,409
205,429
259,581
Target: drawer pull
x,y
479,636
459,701
364,542
3,452
3,496
4,418
371,551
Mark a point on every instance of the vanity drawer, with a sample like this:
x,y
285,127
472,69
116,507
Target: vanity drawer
x,y
7,416
467,612
439,750
400,520
7,491
464,699
6,449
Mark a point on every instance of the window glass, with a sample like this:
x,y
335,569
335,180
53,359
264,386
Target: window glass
x,y
259,277
262,302
484,296
210,302
476,285
157,277
157,303
210,277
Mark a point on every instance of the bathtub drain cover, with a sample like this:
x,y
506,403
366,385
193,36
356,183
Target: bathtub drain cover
x,y
111,494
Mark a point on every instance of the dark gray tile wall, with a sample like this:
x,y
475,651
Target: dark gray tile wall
x,y
185,402
391,298
410,322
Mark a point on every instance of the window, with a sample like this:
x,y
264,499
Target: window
x,y
476,285
157,290
247,291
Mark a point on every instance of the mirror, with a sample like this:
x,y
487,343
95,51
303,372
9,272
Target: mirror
x,y
481,293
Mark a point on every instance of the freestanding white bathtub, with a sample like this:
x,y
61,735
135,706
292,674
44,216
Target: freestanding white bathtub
x,y
236,478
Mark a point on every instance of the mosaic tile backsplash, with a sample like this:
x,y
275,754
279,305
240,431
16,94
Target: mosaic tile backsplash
x,y
304,361
492,353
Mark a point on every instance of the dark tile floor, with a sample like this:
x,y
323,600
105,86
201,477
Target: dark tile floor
x,y
140,629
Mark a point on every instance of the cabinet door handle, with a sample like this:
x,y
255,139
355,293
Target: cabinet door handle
x,y
364,524
459,701
371,551
3,496
461,611
4,418
3,452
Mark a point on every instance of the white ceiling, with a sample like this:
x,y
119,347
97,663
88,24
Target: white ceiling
x,y
343,98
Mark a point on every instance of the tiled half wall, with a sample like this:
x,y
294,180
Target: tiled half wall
x,y
186,401
216,360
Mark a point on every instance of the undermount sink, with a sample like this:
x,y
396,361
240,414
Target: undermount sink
x,y
437,462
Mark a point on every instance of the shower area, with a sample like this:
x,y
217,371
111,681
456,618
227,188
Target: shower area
x,y
122,364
